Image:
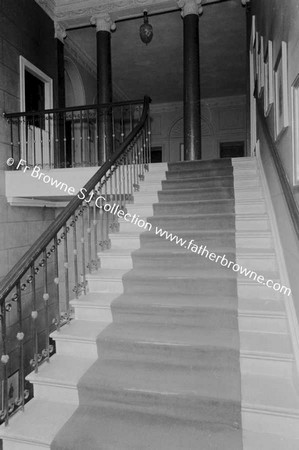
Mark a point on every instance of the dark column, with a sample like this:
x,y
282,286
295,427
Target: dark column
x,y
192,119
60,35
104,86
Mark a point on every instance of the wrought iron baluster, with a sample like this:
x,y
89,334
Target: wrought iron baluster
x,y
11,139
46,303
75,252
20,338
34,139
41,123
106,213
81,139
88,138
95,234
19,139
83,250
73,140
56,281
4,361
113,130
66,272
89,265
49,118
34,315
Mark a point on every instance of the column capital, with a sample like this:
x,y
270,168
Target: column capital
x,y
190,7
103,22
60,32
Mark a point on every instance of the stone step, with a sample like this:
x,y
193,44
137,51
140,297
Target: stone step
x,y
252,222
197,183
194,207
270,404
257,261
129,240
202,164
267,441
78,338
106,280
193,222
36,428
248,205
199,173
116,259
254,239
94,307
57,381
248,288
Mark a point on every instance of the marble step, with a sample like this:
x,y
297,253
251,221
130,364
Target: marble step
x,y
254,239
36,428
94,307
58,380
270,404
106,280
268,441
129,240
79,338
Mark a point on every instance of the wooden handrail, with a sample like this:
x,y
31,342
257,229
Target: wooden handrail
x,y
286,188
70,109
22,266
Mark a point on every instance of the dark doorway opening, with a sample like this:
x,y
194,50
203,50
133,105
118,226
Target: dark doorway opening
x,y
34,98
232,149
156,154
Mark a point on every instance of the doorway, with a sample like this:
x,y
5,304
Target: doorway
x,y
232,149
156,154
36,94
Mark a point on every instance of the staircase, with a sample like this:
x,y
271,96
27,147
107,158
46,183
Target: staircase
x,y
169,350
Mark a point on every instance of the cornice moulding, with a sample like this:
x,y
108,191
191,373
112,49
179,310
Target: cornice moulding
x,y
49,6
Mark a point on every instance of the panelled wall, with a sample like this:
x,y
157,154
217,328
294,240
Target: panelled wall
x,y
223,120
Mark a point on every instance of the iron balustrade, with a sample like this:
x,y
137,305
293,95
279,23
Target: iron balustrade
x,y
71,137
35,295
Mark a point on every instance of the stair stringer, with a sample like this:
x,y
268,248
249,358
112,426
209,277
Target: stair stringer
x,y
270,406
289,302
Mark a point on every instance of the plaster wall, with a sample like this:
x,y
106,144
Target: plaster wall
x,y
223,120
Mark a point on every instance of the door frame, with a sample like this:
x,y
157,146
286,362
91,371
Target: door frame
x,y
24,66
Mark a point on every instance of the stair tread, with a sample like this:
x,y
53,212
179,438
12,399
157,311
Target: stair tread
x,y
178,274
114,428
95,299
166,380
176,301
269,392
118,252
82,330
172,335
107,274
63,370
40,423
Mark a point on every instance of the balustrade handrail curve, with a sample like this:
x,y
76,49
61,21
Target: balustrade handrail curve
x,y
26,261
71,109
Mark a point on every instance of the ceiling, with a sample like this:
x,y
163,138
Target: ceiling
x,y
157,69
